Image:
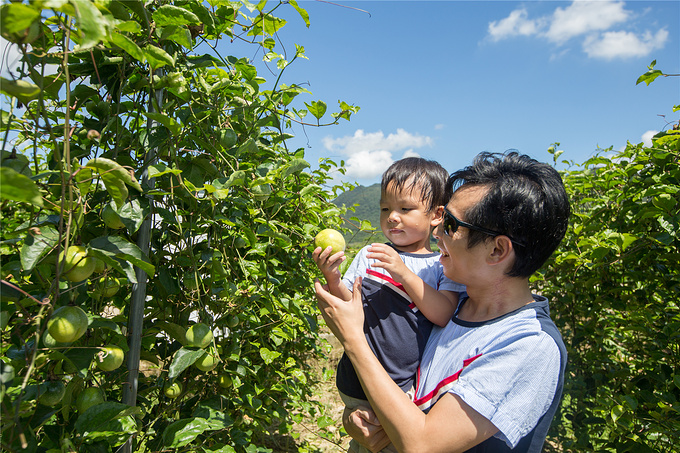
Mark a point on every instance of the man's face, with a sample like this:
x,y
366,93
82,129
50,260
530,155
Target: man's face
x,y
461,264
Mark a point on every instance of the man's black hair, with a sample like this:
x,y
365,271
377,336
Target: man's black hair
x,y
526,200
416,173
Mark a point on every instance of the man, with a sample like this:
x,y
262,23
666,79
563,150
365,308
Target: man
x,y
491,379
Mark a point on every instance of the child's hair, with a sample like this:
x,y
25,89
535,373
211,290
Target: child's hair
x,y
416,173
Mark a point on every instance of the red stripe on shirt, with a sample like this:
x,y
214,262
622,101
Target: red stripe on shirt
x,y
385,277
454,377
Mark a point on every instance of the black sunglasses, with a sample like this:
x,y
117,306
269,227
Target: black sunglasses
x,y
451,224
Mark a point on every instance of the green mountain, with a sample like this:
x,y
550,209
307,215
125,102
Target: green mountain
x,y
366,204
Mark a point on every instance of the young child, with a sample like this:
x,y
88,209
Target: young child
x,y
404,290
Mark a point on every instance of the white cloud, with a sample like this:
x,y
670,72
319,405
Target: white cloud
x,y
583,17
647,137
438,127
589,20
367,155
622,44
516,24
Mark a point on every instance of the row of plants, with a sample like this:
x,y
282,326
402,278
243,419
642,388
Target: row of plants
x,y
615,291
156,229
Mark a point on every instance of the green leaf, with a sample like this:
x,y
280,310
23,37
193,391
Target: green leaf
x,y
317,108
127,45
303,13
129,26
121,248
16,187
177,34
174,15
175,331
81,359
248,147
268,356
649,76
37,243
161,169
90,22
325,421
21,89
158,57
182,360
295,166
110,420
216,413
183,432
16,17
167,121
132,214
99,322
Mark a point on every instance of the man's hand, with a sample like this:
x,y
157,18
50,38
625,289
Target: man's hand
x,y
344,318
362,424
389,259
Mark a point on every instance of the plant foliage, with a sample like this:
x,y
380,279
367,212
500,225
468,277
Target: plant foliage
x,y
615,291
133,136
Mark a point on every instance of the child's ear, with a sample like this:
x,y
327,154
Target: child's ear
x,y
438,215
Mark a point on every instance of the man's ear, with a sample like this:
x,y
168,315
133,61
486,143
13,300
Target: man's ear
x,y
502,250
438,216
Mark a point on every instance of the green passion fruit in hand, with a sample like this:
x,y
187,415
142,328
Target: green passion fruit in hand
x,y
67,324
332,238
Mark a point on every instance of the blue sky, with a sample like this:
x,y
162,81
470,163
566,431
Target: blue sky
x,y
448,79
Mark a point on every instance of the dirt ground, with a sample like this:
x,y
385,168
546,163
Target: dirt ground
x,y
327,395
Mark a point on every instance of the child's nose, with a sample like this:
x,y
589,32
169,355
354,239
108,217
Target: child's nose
x,y
393,217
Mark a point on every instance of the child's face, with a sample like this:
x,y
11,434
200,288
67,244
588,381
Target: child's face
x,y
405,221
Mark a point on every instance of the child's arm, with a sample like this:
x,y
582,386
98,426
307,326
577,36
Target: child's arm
x,y
330,268
437,306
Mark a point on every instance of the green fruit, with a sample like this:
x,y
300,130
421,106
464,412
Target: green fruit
x,y
109,358
111,218
77,265
67,324
206,362
332,238
198,336
225,381
172,390
100,266
51,393
228,138
91,396
233,321
49,341
108,287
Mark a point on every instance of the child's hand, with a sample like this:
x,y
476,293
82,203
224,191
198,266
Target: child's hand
x,y
329,264
388,259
